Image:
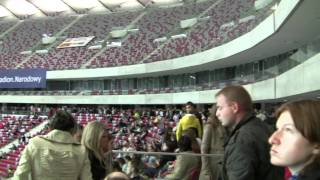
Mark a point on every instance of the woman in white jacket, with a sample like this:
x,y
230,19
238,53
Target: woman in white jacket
x,y
55,155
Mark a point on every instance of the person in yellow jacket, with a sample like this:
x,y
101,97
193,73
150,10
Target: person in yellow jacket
x,y
186,122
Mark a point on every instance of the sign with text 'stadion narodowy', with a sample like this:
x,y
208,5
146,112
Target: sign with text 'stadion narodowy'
x,y
23,78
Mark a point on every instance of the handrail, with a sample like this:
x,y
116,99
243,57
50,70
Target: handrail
x,y
164,153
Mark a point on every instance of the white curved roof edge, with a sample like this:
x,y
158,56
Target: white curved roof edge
x,y
51,5
22,8
183,64
4,12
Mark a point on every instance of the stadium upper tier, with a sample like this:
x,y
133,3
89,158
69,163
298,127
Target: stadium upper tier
x,y
151,35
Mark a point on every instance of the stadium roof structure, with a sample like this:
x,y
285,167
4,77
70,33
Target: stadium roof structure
x,y
39,8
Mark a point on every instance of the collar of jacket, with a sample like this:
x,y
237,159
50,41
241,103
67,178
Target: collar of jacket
x,y
247,118
60,137
312,173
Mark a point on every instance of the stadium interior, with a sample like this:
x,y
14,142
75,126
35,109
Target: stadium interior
x,y
115,61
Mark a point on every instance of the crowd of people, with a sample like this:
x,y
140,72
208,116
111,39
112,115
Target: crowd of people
x,y
227,142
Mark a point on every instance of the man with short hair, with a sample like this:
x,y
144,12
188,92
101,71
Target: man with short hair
x,y
191,108
246,155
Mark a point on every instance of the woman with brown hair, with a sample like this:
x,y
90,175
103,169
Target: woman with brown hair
x,y
212,143
296,142
55,155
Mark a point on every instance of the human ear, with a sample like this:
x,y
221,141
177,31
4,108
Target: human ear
x,y
235,107
316,150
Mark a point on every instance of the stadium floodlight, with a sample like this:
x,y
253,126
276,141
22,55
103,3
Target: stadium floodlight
x,y
114,44
21,7
118,33
51,6
161,39
204,18
4,12
188,23
48,39
99,46
26,52
177,36
42,51
227,25
248,18
133,30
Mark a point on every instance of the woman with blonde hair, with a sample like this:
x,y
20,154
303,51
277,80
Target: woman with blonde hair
x,y
296,142
98,141
212,143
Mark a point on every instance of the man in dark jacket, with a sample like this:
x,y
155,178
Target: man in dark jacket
x,y
246,154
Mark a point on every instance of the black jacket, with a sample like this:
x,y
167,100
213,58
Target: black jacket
x,y
247,155
313,174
